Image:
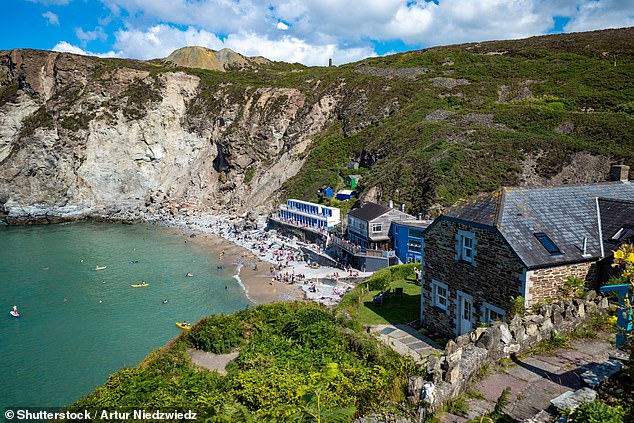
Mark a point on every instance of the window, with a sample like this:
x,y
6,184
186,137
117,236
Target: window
x,y
466,246
547,243
440,295
376,227
417,233
491,314
414,246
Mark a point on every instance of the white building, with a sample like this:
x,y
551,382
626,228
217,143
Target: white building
x,y
310,214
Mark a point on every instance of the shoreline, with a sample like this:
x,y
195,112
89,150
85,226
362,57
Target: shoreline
x,y
252,267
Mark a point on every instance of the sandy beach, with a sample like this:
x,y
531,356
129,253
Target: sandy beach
x,y
253,253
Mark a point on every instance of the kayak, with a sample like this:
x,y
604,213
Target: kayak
x,y
14,314
100,268
139,285
185,326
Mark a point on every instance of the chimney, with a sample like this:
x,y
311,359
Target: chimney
x,y
390,204
419,216
620,173
403,207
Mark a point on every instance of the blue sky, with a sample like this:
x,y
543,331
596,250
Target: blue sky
x,y
305,31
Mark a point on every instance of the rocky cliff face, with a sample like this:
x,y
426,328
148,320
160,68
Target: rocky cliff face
x,y
84,136
222,60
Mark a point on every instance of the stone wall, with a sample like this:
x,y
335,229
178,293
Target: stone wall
x,y
448,375
545,284
494,279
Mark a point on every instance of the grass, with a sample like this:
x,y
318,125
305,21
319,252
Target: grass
x,y
396,310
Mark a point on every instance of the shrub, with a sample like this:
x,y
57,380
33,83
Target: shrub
x,y
248,175
596,412
518,307
380,280
217,334
573,287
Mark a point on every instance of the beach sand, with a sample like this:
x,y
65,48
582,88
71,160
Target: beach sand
x,y
256,282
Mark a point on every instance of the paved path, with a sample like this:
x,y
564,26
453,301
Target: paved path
x,y
405,340
536,380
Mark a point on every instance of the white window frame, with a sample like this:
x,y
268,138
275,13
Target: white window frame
x,y
435,296
461,248
485,313
375,225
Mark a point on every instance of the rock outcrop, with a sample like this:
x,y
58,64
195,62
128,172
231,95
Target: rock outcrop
x,y
221,60
84,136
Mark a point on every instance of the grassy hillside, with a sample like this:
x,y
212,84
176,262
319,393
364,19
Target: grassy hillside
x,y
468,116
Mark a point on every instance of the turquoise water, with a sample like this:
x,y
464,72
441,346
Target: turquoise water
x,y
66,343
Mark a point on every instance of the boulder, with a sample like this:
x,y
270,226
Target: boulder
x,y
506,334
415,388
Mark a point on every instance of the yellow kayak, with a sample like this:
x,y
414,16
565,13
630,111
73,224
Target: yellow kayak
x,y
185,326
139,285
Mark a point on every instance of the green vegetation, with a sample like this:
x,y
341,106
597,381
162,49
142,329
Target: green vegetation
x,y
550,100
9,93
298,361
140,95
248,175
573,287
596,412
40,119
358,302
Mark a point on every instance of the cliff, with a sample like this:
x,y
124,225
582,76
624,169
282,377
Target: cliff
x,y
84,136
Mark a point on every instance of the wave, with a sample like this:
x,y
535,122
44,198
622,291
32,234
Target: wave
x,y
237,278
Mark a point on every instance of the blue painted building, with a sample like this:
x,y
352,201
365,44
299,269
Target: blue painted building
x,y
345,194
326,191
407,236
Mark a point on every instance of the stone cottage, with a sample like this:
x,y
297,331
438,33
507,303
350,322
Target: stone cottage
x,y
519,242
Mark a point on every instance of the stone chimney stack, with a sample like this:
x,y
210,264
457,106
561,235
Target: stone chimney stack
x,y
620,172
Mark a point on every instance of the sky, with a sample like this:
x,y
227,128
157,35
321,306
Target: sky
x,y
305,31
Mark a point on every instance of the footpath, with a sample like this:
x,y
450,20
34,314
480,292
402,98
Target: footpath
x,y
563,377
405,340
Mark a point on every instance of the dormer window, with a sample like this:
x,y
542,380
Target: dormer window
x,y
547,243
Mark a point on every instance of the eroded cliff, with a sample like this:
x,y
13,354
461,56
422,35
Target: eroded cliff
x,y
85,136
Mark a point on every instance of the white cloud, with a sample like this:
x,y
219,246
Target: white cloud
x,y
160,40
311,31
290,49
85,36
65,47
51,18
601,15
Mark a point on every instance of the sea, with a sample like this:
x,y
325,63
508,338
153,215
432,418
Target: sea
x,y
77,325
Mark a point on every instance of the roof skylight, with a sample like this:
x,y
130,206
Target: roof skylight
x,y
547,243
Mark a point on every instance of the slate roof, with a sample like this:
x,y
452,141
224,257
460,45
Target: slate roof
x,y
482,209
369,211
566,214
616,215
